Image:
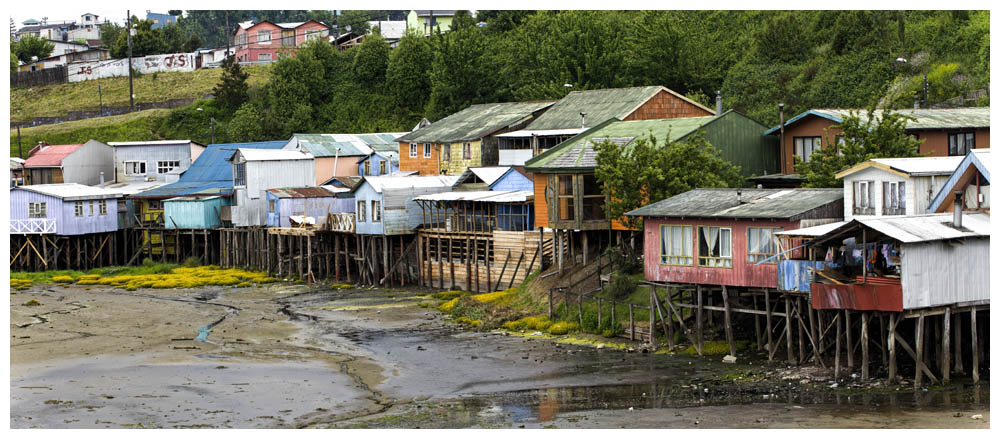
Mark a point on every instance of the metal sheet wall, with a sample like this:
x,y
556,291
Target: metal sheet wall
x,y
938,273
151,154
67,223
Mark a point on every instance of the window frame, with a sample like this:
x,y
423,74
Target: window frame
x,y
816,144
128,171
240,174
760,256
866,208
667,258
382,167
413,150
376,211
966,136
261,40
102,206
165,166
269,56
37,209
561,204
466,150
897,189
367,167
78,209
427,151
361,214
704,261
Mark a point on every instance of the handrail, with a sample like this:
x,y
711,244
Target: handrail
x,y
35,226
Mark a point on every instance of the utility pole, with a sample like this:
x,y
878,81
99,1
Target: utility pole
x,y
227,34
19,152
213,130
128,30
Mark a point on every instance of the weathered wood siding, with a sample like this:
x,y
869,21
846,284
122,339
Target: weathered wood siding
x,y
424,166
457,165
314,207
665,106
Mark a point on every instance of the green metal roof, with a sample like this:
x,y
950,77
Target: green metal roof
x,y
752,203
600,105
327,145
475,122
381,141
924,118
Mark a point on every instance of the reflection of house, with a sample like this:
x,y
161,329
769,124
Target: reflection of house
x,y
429,21
945,132
726,236
972,178
153,160
264,42
902,186
464,139
80,163
255,171
63,209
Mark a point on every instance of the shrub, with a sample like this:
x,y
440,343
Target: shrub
x,y
147,262
192,262
563,328
621,285
590,322
532,323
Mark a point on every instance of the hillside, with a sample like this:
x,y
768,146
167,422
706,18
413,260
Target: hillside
x,y
141,125
60,99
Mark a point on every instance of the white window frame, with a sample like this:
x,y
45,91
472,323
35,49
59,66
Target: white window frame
x,y
165,166
722,260
376,211
240,175
261,34
893,198
863,194
78,208
801,149
758,251
37,210
427,150
413,150
131,165
361,214
264,57
102,207
672,252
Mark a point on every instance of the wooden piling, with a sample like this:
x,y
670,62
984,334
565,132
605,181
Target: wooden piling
x,y
836,361
918,334
975,345
946,346
729,321
699,319
788,329
864,346
892,347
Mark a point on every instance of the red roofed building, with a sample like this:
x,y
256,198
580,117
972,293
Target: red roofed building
x,y
263,42
80,163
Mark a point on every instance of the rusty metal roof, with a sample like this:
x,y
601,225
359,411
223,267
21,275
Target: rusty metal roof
x,y
302,192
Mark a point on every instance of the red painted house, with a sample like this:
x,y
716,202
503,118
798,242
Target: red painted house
x,y
264,42
726,236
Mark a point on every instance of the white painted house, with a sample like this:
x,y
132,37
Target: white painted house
x,y
257,170
897,186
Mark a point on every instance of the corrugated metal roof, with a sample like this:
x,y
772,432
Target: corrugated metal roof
x,y
16,162
72,191
812,231
210,173
381,183
262,155
756,203
51,155
481,196
488,174
302,192
475,122
600,105
529,133
911,166
192,198
349,181
153,143
925,118
920,228
382,141
333,145
133,187
437,13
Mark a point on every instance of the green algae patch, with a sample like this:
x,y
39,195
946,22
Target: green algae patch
x,y
465,321
63,279
577,340
341,286
449,295
717,348
362,307
562,328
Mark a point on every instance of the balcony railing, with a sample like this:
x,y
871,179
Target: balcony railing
x,y
340,222
33,226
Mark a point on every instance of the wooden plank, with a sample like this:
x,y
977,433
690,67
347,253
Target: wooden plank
x,y
917,359
919,337
700,322
946,347
892,347
788,328
847,334
836,361
729,322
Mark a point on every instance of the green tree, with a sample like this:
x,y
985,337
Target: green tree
x,y
464,71
371,60
646,171
231,91
13,62
356,20
246,124
869,135
30,47
407,81
109,34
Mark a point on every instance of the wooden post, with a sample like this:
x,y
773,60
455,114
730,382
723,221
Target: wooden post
x,y
812,330
670,318
919,335
579,305
767,315
882,333
864,345
946,347
836,354
820,328
892,347
584,243
975,346
550,303
599,320
559,250
451,261
758,336
700,320
336,255
468,269
631,323
850,341
788,329
310,277
652,317
729,322
475,258
440,262
958,344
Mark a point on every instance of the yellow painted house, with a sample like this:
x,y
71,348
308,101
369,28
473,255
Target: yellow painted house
x,y
425,21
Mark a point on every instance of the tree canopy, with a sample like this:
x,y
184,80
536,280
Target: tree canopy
x,y
30,47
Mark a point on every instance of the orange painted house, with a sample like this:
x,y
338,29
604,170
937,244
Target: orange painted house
x,y
946,131
263,42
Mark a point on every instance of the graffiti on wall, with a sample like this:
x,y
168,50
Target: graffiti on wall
x,y
173,62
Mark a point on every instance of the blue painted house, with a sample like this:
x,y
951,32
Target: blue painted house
x,y
512,180
385,206
160,20
309,202
379,163
63,209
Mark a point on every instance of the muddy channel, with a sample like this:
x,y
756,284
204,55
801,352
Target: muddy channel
x,y
295,357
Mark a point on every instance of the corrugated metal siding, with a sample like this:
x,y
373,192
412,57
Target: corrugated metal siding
x,y
85,165
513,181
151,155
191,214
742,273
251,208
937,273
400,214
315,207
364,226
67,223
742,142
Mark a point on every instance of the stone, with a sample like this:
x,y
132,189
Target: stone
x,y
729,359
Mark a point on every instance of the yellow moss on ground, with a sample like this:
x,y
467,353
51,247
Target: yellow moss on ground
x,y
469,322
532,323
717,348
562,328
62,279
448,295
340,286
20,284
496,297
447,306
183,277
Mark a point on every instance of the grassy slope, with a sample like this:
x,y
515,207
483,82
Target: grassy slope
x,y
141,125
59,99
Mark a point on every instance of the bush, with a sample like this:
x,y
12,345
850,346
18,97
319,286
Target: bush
x,y
147,262
563,328
590,322
532,323
621,285
192,262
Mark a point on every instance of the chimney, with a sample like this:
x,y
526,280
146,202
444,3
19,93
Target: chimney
x,y
102,179
739,196
718,102
958,209
583,119
781,119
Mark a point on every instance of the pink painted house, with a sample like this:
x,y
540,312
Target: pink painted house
x,y
726,236
264,42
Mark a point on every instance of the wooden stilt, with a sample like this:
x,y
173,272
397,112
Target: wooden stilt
x,y
788,329
864,345
946,346
440,263
812,330
767,326
883,337
699,318
451,261
918,334
975,345
892,347
631,323
836,361
849,339
958,344
652,317
729,322
758,336
310,277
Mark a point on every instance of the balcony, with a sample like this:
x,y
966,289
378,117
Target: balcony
x,y
340,222
37,226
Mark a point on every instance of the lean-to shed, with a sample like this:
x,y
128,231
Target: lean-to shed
x,y
385,206
63,209
193,212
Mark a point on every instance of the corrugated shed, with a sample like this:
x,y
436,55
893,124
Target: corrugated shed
x,y
264,155
475,122
752,203
938,273
600,105
193,212
51,155
210,174
382,141
924,118
922,228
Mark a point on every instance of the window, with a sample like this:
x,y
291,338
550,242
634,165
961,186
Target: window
x,y
165,166
676,243
864,192
270,206
36,210
376,211
313,34
91,208
427,150
961,143
368,167
103,204
567,209
362,217
805,146
240,174
264,57
78,208
762,244
264,37
135,168
155,204
466,151
715,247
381,167
593,199
413,150
893,198
446,152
